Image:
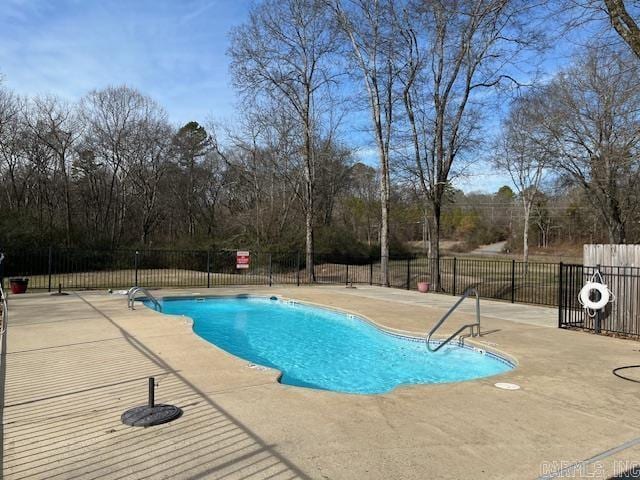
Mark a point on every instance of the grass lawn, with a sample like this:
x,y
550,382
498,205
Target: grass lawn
x,y
493,279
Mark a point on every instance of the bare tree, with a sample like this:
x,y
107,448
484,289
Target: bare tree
x,y
521,155
125,175
601,18
360,205
371,33
624,22
590,114
55,125
12,160
284,52
453,51
112,118
147,170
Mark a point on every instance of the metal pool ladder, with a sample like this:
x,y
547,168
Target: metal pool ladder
x,y
474,327
132,294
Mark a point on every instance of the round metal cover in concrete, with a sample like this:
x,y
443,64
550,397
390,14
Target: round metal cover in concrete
x,y
146,416
507,386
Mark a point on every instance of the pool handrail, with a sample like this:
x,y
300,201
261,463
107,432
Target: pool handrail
x,y
471,326
132,293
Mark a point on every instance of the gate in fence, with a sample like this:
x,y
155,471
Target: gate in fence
x,y
548,284
620,316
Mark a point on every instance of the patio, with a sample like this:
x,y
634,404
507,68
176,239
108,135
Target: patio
x,y
74,363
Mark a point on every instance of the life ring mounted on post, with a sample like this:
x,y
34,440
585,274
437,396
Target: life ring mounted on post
x,y
595,286
585,295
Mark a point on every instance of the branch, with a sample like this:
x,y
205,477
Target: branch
x,y
497,80
624,24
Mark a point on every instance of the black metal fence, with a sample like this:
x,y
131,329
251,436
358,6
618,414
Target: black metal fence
x,y
93,269
535,283
620,316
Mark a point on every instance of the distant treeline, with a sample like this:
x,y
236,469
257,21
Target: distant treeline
x,y
111,171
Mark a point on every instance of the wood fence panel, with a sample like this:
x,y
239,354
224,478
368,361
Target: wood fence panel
x,y
611,255
620,267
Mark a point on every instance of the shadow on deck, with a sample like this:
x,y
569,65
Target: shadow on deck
x,y
61,411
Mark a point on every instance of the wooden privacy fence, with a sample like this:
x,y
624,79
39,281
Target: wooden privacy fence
x,y
611,255
620,316
619,266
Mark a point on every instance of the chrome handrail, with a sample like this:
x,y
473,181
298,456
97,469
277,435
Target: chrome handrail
x,y
132,293
465,294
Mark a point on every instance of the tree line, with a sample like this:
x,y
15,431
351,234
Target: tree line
x,y
428,74
426,78
111,171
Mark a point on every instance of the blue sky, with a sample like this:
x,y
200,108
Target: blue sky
x,y
172,50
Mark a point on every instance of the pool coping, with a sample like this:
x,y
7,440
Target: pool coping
x,y
76,348
461,341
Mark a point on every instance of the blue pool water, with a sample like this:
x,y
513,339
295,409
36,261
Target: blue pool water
x,y
325,349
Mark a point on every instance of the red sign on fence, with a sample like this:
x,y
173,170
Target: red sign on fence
x,y
242,259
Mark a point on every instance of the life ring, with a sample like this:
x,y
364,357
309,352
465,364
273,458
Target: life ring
x,y
585,293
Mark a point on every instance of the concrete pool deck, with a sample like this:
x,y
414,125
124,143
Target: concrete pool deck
x,y
73,364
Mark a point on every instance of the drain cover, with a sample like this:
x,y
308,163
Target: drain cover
x,y
507,386
146,416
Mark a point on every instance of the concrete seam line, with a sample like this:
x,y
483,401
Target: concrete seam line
x,y
600,456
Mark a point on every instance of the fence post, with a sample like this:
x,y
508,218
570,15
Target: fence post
x,y
2,260
270,281
347,281
135,261
408,273
208,269
49,266
455,266
560,294
513,281
370,272
598,319
298,268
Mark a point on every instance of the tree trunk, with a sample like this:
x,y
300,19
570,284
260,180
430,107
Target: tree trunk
x,y
624,24
384,226
434,241
145,234
114,223
617,230
67,197
111,201
426,233
309,174
525,237
309,247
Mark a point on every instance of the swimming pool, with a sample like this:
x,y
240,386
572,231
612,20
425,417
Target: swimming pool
x,y
326,349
